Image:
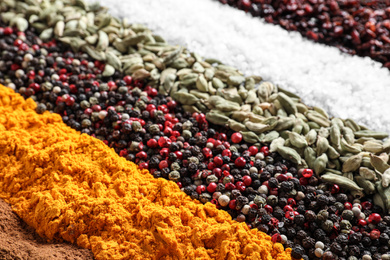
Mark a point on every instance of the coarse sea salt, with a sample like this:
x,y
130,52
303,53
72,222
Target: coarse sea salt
x,y
346,86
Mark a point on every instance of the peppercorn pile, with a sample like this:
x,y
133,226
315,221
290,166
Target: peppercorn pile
x,y
355,27
210,163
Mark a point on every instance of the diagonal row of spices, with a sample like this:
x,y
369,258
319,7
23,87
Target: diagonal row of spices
x,y
239,165
355,27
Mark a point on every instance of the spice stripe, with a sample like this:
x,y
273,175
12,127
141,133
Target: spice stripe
x,y
74,187
345,86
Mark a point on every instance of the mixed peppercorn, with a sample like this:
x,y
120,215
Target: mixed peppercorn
x,y
209,163
355,27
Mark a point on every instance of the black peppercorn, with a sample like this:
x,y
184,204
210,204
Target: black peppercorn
x,y
297,252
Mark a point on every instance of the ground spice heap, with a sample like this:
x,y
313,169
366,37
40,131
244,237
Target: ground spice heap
x,y
73,186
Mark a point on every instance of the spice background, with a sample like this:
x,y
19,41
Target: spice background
x,y
362,117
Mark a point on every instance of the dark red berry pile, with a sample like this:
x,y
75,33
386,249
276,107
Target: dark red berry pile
x,y
355,27
209,163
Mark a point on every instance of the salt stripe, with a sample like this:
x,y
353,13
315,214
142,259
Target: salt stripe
x,y
346,86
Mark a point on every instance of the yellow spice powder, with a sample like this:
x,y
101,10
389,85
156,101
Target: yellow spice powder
x,y
73,187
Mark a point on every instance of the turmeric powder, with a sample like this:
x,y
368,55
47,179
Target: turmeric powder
x,y
72,186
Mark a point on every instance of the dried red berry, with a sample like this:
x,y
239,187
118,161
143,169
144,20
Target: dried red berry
x,y
236,138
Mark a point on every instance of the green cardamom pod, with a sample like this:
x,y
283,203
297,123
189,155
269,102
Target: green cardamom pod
x,y
310,156
276,143
332,153
257,128
297,140
311,137
351,124
322,145
367,174
236,126
287,103
378,163
250,137
108,71
185,98
269,137
289,154
352,163
320,164
348,135
369,133
201,84
373,147
341,181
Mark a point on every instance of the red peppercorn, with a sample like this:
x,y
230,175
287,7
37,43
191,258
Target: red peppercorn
x,y
201,118
179,155
232,204
307,173
276,238
226,144
236,138
63,77
227,152
207,152
164,141
152,92
268,208
210,165
8,31
374,234
171,105
217,172
362,222
144,165
15,67
17,42
291,201
347,205
222,137
303,181
141,155
70,101
230,186
35,86
253,150
240,162
247,180
374,218
218,161
226,173
217,143
274,221
152,143
287,208
163,164
335,189
167,131
200,189
127,79
212,187
225,167
264,150
282,177
289,215
366,205
164,152
240,186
